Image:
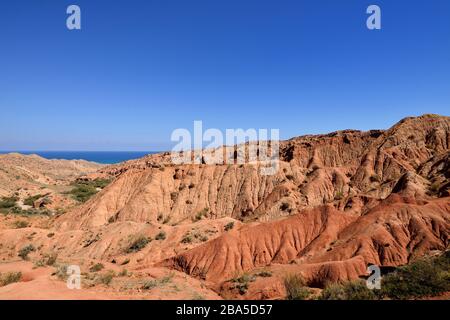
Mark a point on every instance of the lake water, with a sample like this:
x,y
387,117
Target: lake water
x,y
106,157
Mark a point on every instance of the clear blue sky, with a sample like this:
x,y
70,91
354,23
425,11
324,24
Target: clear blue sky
x,y
139,69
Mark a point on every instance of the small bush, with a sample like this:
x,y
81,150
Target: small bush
x,y
105,278
151,284
295,288
355,290
20,224
47,260
435,187
61,272
284,206
25,251
229,226
30,200
9,277
96,267
264,274
8,202
200,215
242,283
187,238
138,243
161,236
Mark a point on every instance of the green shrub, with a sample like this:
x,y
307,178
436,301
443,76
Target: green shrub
x,y
427,277
47,260
8,202
9,277
82,192
242,283
187,238
264,274
61,272
30,200
96,267
296,288
105,278
138,243
229,226
20,224
161,236
354,290
25,251
435,187
148,285
200,215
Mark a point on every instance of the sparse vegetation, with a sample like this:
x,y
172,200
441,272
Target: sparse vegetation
x,y
25,251
192,236
229,226
61,272
161,236
434,188
354,290
8,202
426,277
9,277
105,278
296,288
242,283
84,190
30,200
138,243
200,215
264,274
96,267
48,259
151,284
20,224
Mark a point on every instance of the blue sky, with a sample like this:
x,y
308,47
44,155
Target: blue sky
x,y
140,69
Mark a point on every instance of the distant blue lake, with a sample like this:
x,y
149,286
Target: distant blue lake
x,y
106,157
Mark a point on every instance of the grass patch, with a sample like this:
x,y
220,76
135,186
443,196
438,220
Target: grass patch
x,y
354,290
84,190
296,288
151,284
8,202
9,277
97,267
20,224
30,200
138,243
25,251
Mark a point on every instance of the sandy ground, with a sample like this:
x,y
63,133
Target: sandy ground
x,y
39,284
